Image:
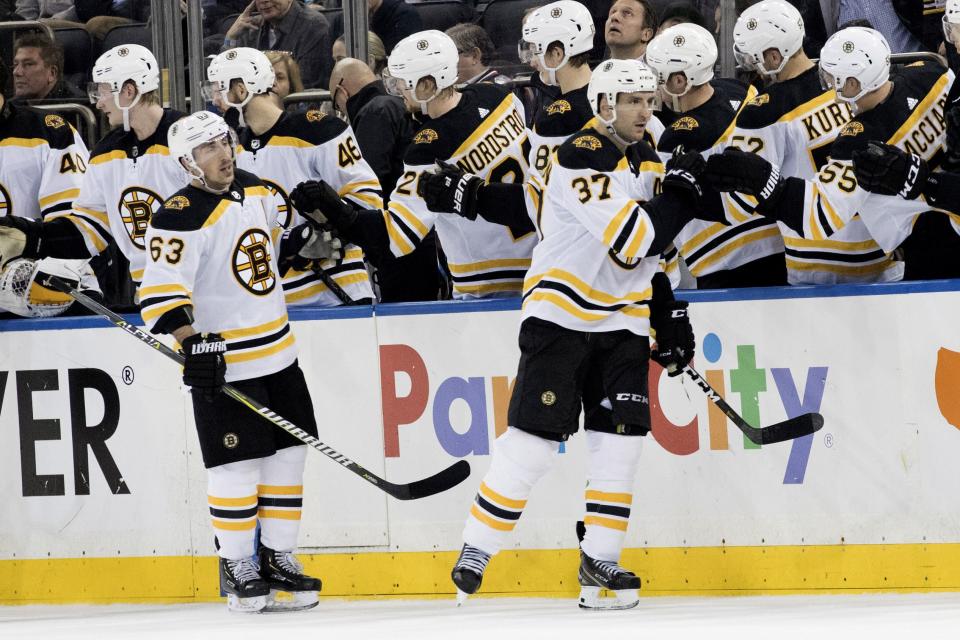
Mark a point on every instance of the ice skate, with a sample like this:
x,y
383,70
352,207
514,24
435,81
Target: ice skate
x,y
246,591
289,589
467,574
599,575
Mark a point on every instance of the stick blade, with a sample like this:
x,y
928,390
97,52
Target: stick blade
x,y
791,429
437,483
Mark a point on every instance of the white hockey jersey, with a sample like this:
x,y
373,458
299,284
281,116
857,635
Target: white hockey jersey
x,y
126,182
485,135
313,146
214,255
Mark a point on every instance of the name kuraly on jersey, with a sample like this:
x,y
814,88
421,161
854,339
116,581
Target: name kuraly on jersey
x,y
312,146
485,135
215,253
126,182
794,125
42,161
589,271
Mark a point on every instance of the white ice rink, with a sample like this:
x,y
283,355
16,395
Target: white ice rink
x,y
914,616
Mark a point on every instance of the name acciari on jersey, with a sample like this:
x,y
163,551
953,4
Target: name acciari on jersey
x,y
910,118
485,135
214,254
42,161
590,271
313,146
126,183
794,125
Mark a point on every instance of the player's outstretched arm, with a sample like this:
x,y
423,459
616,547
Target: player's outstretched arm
x,y
26,238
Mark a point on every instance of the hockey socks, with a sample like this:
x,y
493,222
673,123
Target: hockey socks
x,y
612,465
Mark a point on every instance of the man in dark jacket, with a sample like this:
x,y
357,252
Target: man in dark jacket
x,y
384,130
391,20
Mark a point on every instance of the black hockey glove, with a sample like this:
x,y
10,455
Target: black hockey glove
x,y
303,246
668,318
204,366
951,161
684,172
889,171
19,238
736,170
450,189
319,202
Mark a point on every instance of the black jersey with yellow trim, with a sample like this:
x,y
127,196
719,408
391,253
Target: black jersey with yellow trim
x,y
442,137
589,150
781,98
699,129
309,129
191,207
129,145
565,115
733,91
27,127
913,86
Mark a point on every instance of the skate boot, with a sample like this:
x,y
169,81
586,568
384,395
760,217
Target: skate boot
x,y
290,589
597,575
246,591
467,574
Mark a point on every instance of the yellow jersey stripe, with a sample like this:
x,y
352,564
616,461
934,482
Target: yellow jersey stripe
x,y
99,216
504,263
319,287
22,142
585,289
841,269
266,327
756,236
256,354
163,288
256,190
91,233
396,236
410,219
107,157
217,213
69,194
921,110
481,289
155,312
803,243
639,233
611,231
488,123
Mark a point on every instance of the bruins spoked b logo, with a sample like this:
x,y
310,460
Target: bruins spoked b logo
x,y
251,263
136,206
6,205
285,210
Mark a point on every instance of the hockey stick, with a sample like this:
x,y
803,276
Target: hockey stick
x,y
446,479
797,427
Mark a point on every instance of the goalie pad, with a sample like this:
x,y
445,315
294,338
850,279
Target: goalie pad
x,y
22,290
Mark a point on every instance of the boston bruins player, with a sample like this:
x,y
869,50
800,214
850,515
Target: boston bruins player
x,y
212,281
905,110
793,125
749,253
587,311
285,149
482,130
129,174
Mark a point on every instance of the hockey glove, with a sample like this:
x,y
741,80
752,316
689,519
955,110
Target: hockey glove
x,y
305,244
684,171
19,238
736,170
889,171
952,144
668,318
204,366
449,189
320,203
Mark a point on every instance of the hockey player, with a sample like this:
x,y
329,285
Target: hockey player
x,y
793,125
285,149
481,129
212,282
906,111
718,255
587,311
128,176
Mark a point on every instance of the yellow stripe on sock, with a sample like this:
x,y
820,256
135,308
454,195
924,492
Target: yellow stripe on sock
x,y
279,491
503,501
620,525
602,496
490,522
249,501
278,514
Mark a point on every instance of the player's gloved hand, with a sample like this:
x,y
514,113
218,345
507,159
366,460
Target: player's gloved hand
x,y
668,318
305,244
449,189
736,170
204,366
684,171
952,144
319,202
19,238
889,171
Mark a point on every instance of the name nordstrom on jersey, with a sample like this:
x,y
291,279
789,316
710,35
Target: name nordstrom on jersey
x,y
496,138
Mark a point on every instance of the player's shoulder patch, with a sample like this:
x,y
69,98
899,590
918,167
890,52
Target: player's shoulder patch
x,y
587,150
186,210
313,127
315,115
685,123
565,115
54,121
426,136
853,136
177,203
777,101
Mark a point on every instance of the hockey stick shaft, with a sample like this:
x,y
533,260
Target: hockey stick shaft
x,y
442,481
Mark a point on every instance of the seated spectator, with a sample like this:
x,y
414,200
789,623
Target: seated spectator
x,y
476,51
680,13
47,9
376,54
38,71
630,26
287,73
391,20
286,25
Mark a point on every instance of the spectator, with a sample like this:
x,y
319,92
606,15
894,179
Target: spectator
x,y
42,9
384,130
391,20
286,25
376,54
680,13
476,51
100,16
38,70
630,26
287,73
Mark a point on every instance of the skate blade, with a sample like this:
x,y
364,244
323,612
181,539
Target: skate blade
x,y
237,604
590,598
462,597
282,601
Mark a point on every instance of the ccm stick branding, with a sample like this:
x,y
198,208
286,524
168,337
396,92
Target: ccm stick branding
x,y
487,398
